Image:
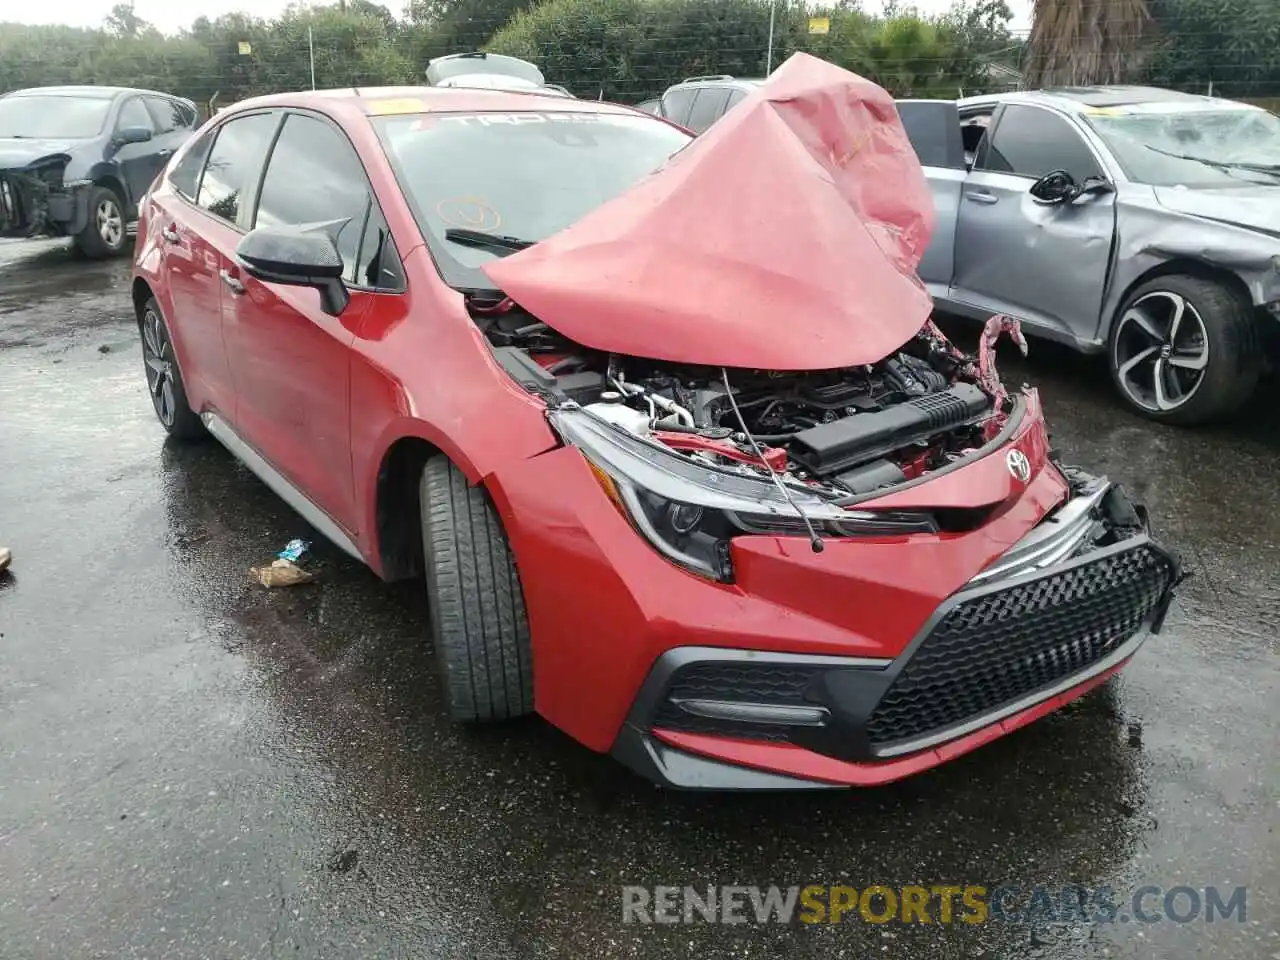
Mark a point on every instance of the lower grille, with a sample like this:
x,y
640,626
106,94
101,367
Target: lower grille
x,y
742,681
11,213
1003,645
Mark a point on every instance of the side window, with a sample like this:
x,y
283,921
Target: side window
x,y
315,176
234,163
185,177
190,119
676,104
1032,141
134,114
707,109
379,265
167,114
735,98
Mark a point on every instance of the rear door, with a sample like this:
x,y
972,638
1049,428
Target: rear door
x,y
676,104
291,360
199,221
140,163
1046,264
933,126
708,107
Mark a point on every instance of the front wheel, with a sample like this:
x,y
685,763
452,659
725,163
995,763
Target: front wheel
x,y
105,235
478,620
1185,350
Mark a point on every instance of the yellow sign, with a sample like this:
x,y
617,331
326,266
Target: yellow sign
x,y
819,24
245,48
384,108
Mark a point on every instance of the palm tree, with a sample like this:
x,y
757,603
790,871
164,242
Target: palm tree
x,y
1080,42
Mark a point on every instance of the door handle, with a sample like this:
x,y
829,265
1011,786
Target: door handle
x,y
170,234
233,283
975,196
166,152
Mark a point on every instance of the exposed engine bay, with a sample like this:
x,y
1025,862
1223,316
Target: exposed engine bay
x,y
842,433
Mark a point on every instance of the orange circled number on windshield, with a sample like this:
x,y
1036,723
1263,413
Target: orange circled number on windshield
x,y
468,212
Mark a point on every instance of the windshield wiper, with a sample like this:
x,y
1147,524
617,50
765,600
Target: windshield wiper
x,y
487,241
1226,166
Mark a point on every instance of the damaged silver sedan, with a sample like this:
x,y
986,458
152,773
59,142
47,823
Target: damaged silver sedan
x,y
1137,223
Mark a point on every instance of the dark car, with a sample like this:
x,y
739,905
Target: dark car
x,y
75,161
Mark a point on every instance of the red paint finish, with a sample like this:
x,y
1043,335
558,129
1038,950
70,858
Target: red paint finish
x,y
712,260
793,761
603,605
326,399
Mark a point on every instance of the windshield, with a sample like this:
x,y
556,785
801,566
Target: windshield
x,y
51,117
1209,147
520,175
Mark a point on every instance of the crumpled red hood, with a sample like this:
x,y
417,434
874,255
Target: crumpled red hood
x,y
786,237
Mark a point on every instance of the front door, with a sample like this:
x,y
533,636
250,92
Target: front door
x,y
290,360
140,163
933,127
1045,264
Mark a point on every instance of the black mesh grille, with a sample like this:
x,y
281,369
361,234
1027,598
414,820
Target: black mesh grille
x,y
738,681
1001,646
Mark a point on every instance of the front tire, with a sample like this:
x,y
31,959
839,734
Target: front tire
x,y
164,379
1185,350
105,235
478,619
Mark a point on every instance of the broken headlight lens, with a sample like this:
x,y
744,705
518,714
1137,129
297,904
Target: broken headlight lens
x,y
690,511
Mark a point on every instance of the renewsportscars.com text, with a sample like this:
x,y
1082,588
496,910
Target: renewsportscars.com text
x,y
939,903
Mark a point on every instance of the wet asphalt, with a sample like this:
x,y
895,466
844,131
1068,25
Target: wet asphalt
x,y
192,766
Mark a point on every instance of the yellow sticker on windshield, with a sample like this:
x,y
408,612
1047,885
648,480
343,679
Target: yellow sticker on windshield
x,y
386,108
1104,112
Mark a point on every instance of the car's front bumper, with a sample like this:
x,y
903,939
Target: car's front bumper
x,y
612,620
993,657
32,207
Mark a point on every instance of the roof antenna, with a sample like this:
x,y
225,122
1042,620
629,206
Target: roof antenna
x,y
815,542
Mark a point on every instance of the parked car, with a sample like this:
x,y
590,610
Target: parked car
x,y
1137,223
694,479
698,102
75,161
490,71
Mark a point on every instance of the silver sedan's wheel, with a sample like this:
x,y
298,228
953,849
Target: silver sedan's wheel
x,y
1184,349
1161,351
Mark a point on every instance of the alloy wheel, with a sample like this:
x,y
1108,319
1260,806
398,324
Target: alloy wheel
x,y
110,223
157,354
1161,351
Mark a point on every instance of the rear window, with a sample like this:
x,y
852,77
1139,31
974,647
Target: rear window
x,y
37,116
525,175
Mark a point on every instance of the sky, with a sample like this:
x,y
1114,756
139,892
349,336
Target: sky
x,y
171,15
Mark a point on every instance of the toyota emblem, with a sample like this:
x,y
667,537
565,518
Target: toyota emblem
x,y
1019,465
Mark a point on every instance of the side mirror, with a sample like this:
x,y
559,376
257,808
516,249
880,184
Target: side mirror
x,y
1096,187
133,135
1056,187
303,256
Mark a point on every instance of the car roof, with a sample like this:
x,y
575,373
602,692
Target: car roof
x,y
383,101
103,93
719,79
1084,99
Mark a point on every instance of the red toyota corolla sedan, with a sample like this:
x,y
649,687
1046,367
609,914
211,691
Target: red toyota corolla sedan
x,y
662,423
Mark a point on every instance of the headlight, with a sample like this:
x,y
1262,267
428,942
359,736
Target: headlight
x,y
689,511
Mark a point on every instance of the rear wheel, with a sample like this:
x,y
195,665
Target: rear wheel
x,y
164,379
478,619
105,234
1185,350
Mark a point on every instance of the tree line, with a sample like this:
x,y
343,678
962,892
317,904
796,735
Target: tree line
x,y
629,50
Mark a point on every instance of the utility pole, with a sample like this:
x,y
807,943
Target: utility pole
x,y
311,49
768,59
